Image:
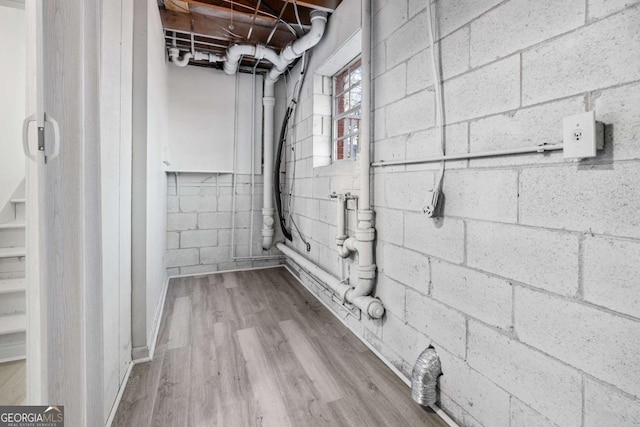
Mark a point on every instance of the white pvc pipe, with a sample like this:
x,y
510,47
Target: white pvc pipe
x,y
330,280
343,251
235,52
268,102
372,306
463,156
365,129
174,55
286,57
365,233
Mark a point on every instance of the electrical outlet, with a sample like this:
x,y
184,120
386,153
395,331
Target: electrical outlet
x,y
582,136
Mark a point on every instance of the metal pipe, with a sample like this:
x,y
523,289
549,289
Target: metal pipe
x,y
463,156
258,258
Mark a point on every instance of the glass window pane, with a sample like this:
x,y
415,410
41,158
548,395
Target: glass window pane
x,y
356,74
342,103
355,96
340,150
347,148
353,125
347,97
342,82
341,128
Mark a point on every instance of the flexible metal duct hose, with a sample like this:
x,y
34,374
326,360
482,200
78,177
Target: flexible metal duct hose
x,y
425,377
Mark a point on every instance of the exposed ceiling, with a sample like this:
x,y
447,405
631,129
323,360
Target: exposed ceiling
x,y
211,26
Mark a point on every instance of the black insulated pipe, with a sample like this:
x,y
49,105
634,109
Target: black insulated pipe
x,y
276,174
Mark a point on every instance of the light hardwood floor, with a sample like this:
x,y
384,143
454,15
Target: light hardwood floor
x,y
13,383
255,348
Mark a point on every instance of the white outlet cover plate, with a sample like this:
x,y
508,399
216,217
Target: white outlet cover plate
x,y
579,136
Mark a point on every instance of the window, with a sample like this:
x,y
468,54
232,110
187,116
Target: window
x,y
347,93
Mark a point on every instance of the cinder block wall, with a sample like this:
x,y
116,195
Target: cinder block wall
x,y
200,220
528,285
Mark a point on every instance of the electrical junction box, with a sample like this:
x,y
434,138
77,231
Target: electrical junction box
x,y
582,136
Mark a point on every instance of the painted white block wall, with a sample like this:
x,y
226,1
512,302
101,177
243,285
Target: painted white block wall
x,y
200,220
12,99
526,286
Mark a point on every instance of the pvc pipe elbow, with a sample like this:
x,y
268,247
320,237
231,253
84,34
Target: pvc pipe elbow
x,y
174,55
370,305
267,242
351,244
343,252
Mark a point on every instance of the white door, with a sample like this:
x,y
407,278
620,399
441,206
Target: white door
x,y
78,193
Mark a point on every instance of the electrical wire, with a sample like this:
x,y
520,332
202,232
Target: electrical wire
x,y
253,20
439,99
295,9
278,20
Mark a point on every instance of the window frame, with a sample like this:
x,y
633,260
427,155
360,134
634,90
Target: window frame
x,y
354,64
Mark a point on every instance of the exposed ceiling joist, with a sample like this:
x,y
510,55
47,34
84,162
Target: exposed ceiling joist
x,y
247,7
211,26
218,28
325,5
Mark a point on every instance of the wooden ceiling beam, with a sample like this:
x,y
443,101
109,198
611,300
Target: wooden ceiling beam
x,y
324,5
247,8
215,27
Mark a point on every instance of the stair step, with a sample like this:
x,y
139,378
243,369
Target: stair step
x,y
12,225
12,285
18,200
13,323
12,252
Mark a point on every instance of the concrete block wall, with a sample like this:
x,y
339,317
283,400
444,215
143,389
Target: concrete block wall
x,y
527,286
200,223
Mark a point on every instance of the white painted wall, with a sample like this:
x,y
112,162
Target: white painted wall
x,y
115,136
204,113
157,140
149,197
12,99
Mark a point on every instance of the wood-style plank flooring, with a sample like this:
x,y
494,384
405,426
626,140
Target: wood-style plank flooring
x,y
255,348
13,383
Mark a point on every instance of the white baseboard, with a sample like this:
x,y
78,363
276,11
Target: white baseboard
x,y
116,403
180,276
140,354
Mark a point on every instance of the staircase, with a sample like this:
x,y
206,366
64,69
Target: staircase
x,y
13,319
